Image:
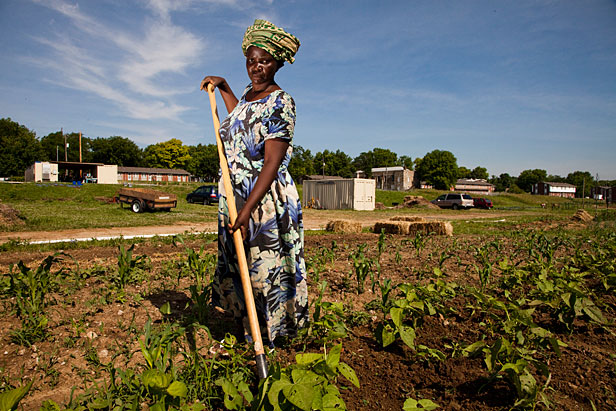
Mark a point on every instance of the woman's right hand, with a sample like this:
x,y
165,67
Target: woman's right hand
x,y
225,91
213,80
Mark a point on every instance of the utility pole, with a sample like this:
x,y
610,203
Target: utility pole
x,y
65,145
80,170
583,189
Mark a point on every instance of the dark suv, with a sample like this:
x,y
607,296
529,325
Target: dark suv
x,y
454,200
204,195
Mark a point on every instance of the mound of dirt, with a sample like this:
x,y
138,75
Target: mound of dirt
x,y
417,201
583,216
9,216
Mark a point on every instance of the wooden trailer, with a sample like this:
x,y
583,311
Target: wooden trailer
x,y
141,199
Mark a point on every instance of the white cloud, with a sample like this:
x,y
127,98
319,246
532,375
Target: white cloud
x,y
135,71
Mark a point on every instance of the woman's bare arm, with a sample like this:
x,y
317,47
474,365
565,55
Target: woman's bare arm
x,y
275,151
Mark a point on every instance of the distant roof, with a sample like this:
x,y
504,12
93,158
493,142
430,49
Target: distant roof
x,y
70,163
176,171
473,182
558,184
320,177
392,168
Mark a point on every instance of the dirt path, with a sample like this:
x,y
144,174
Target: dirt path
x,y
313,220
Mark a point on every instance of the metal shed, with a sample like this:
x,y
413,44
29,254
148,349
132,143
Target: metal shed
x,y
350,193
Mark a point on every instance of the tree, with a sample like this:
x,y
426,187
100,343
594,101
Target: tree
x,y
502,182
480,173
406,162
528,178
582,180
377,157
301,164
54,147
204,161
116,150
555,179
19,148
464,172
439,168
336,164
168,154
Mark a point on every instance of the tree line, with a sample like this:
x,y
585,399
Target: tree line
x,y
20,148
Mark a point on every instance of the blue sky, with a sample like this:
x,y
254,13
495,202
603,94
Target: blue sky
x,y
506,85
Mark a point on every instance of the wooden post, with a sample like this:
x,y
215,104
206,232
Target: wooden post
x,y
80,170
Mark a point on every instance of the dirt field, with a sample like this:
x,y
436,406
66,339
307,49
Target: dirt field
x,y
91,326
313,220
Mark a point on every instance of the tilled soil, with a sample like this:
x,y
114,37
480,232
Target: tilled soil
x,y
89,326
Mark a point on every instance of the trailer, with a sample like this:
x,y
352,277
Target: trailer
x,y
141,199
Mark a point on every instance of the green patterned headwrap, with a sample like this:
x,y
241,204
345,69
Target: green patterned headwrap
x,y
277,42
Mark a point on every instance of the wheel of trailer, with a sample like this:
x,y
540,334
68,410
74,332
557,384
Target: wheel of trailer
x,y
136,206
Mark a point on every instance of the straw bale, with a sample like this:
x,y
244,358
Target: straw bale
x,y
412,228
391,227
409,218
343,226
582,215
431,227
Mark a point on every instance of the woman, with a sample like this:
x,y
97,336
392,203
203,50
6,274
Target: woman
x,y
257,136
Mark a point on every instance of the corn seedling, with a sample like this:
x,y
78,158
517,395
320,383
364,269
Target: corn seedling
x,y
31,289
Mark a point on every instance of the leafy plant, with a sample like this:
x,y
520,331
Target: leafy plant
x,y
310,384
9,399
327,320
417,405
362,266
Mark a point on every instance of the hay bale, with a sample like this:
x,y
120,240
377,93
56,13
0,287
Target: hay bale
x,y
409,218
583,216
390,227
343,226
414,227
431,227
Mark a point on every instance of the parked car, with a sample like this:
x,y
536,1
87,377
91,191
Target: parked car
x,y
204,195
482,203
454,200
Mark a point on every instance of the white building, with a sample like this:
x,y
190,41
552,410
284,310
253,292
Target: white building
x,y
338,194
395,178
41,171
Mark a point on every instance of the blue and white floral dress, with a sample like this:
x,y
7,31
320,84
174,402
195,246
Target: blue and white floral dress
x,y
275,242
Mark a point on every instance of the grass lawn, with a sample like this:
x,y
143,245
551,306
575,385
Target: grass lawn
x,y
46,207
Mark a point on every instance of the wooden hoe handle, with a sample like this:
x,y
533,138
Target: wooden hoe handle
x,y
239,244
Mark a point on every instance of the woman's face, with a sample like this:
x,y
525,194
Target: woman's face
x,y
261,66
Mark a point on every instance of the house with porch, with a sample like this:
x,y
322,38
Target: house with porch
x,y
546,188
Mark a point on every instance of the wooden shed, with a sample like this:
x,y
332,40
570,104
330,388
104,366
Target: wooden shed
x,y
339,194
